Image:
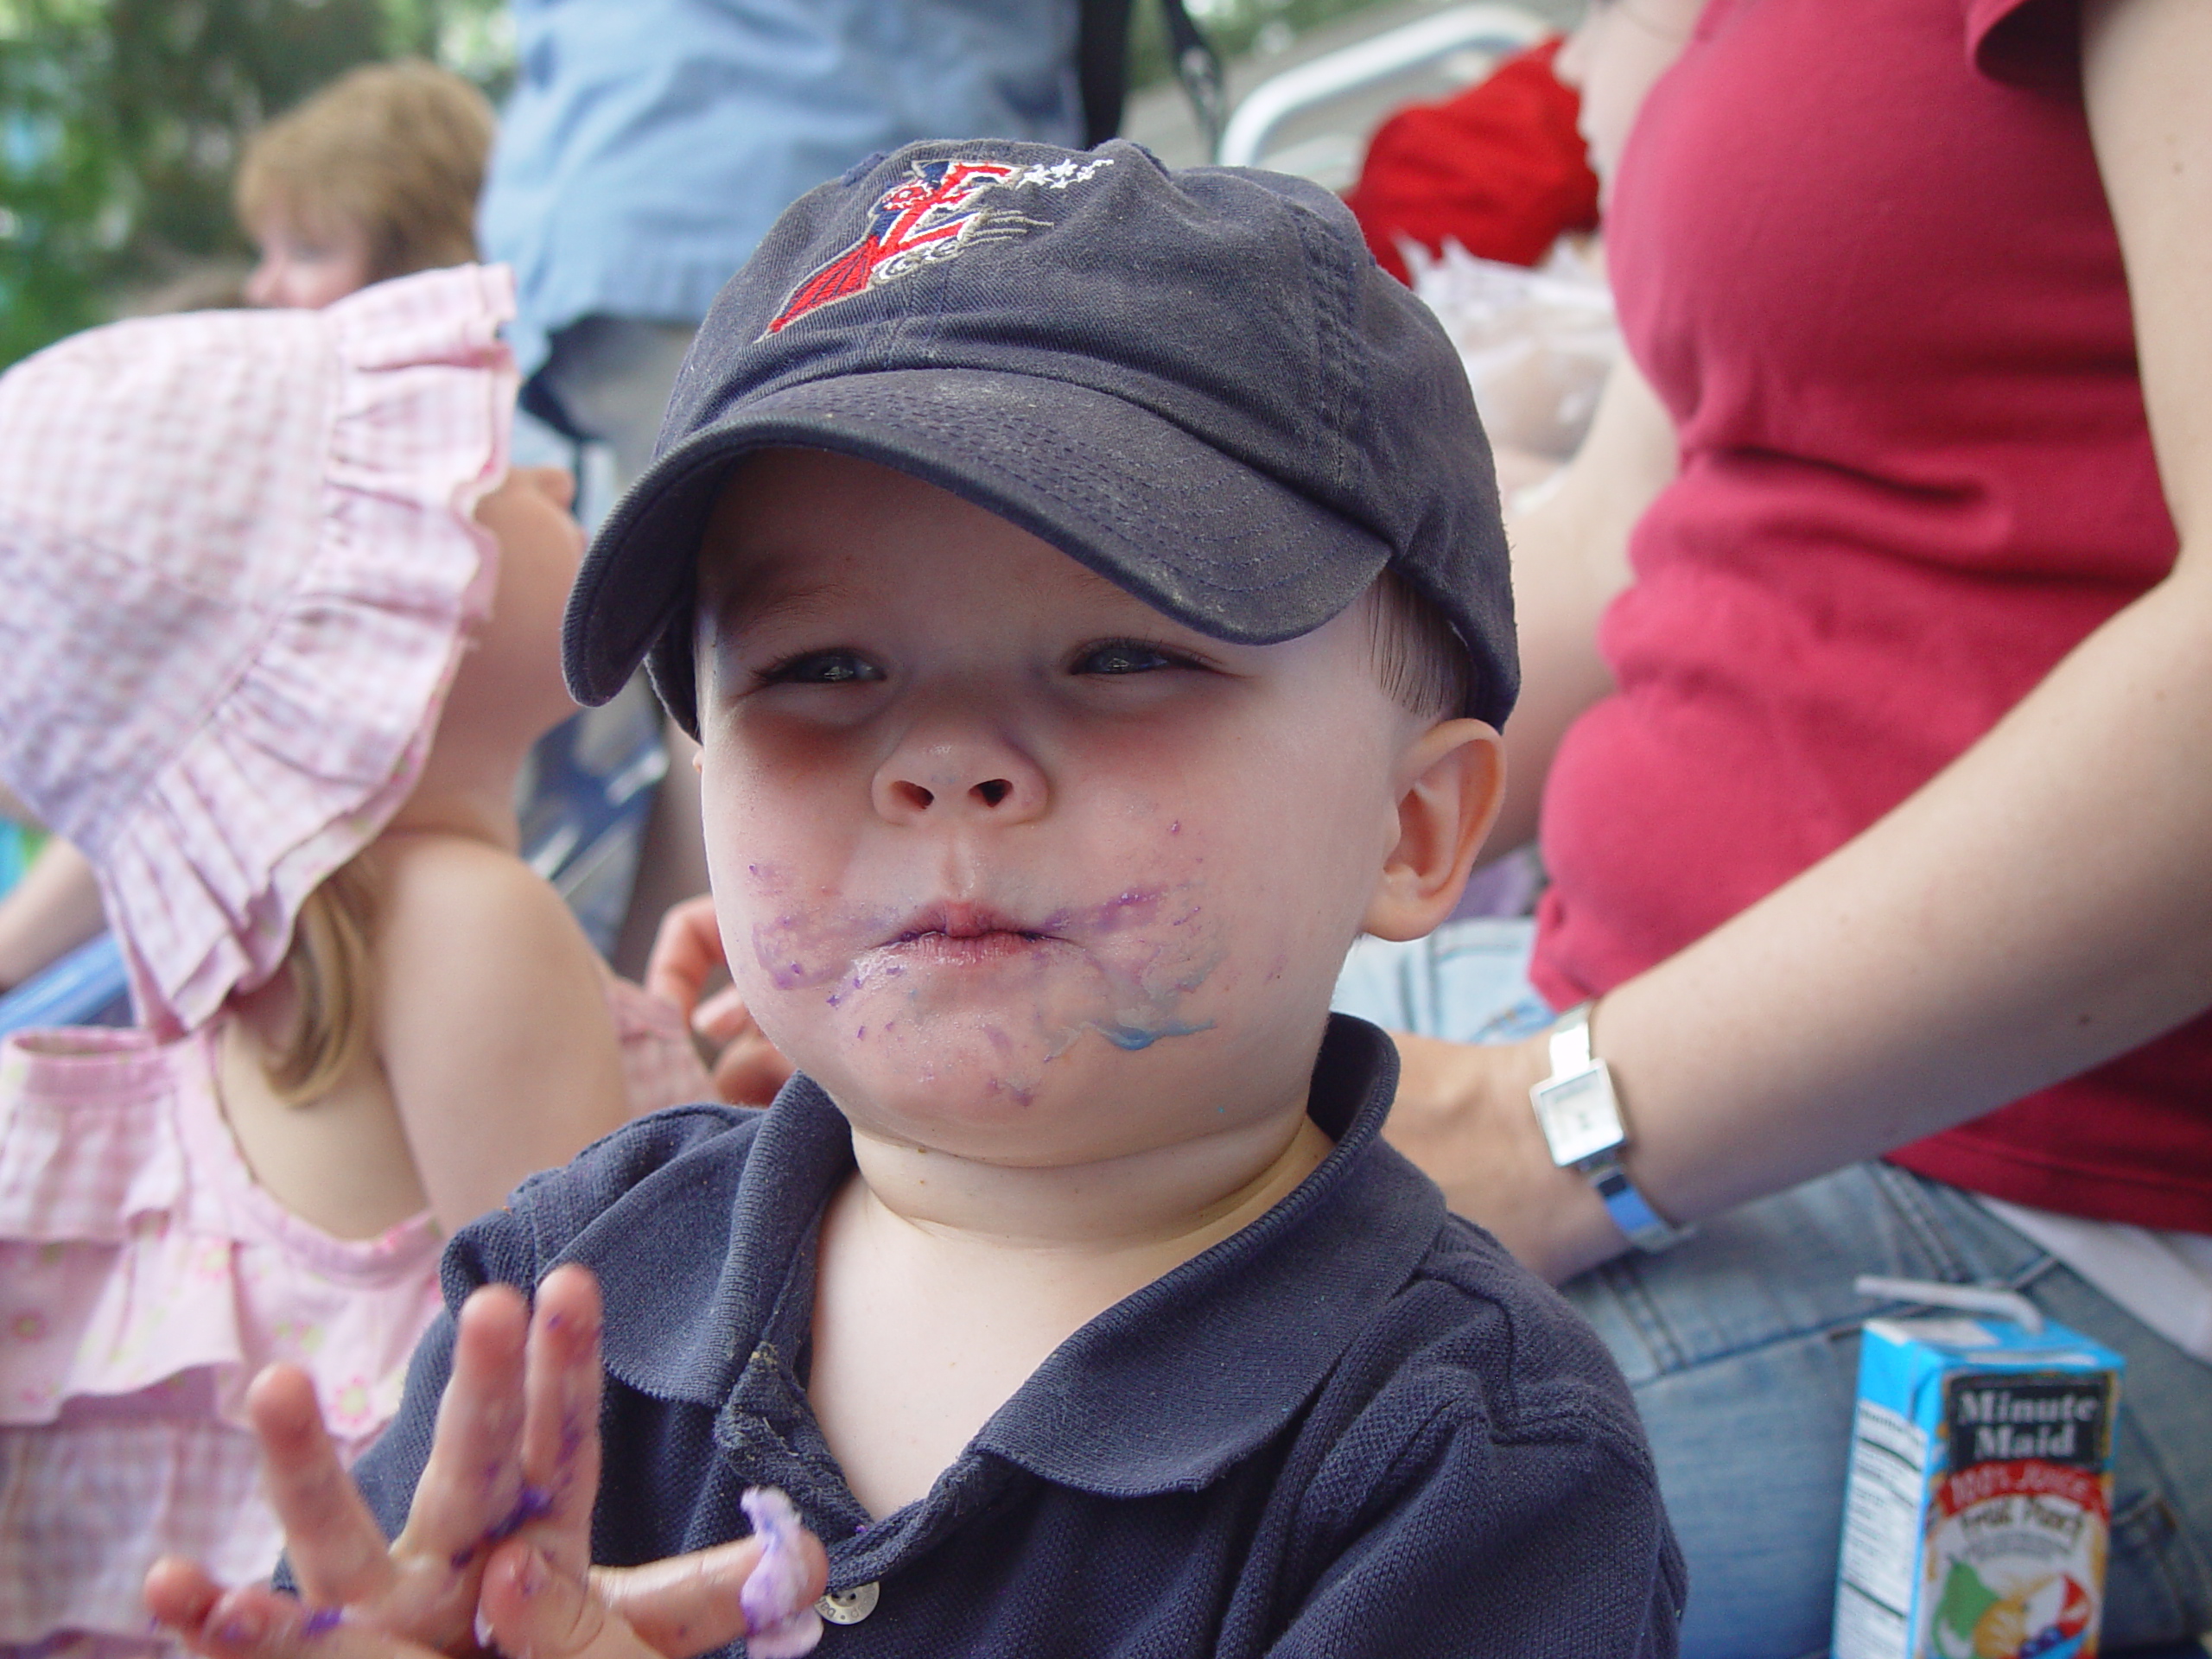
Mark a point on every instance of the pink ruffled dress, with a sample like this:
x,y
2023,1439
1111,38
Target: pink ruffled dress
x,y
145,1278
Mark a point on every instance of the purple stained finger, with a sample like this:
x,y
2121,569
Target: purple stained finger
x,y
780,1622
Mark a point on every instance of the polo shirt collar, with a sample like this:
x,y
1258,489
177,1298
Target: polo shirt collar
x,y
1162,1392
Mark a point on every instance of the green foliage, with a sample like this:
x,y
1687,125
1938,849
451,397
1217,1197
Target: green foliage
x,y
121,121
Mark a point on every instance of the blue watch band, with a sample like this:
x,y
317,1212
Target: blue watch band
x,y
1632,1213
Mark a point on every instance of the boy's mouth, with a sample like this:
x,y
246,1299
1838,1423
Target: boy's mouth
x,y
954,933
799,950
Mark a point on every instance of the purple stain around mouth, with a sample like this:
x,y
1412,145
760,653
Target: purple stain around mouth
x,y
460,1560
1024,1096
780,1622
323,1620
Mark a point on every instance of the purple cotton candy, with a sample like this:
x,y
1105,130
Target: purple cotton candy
x,y
780,1622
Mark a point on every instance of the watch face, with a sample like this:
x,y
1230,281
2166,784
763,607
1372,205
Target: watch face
x,y
1580,1114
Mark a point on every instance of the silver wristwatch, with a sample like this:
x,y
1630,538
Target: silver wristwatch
x,y
1580,1116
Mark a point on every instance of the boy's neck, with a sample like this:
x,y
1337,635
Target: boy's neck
x,y
943,1283
1167,1203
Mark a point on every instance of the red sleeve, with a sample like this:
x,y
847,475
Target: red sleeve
x,y
2032,43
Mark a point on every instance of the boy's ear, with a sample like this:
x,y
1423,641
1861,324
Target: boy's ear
x,y
1450,780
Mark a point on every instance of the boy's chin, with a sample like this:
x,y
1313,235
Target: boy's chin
x,y
980,1094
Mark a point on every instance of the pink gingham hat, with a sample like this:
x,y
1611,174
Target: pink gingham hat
x,y
237,570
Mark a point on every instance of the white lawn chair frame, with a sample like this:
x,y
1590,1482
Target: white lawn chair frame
x,y
1491,29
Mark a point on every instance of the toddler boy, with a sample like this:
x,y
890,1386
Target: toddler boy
x,y
1086,583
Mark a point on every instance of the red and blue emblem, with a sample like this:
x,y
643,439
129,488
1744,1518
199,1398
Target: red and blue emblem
x,y
926,218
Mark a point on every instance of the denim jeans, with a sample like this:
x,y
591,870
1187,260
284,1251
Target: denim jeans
x,y
1742,1346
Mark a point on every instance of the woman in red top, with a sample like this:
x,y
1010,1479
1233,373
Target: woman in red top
x,y
1868,702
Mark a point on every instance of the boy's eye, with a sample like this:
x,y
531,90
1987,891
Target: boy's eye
x,y
1125,657
822,668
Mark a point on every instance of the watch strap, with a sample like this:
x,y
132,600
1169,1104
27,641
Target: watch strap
x,y
1646,1228
1631,1212
1570,1040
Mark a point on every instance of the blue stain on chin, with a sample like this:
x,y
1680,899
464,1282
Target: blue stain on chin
x,y
1136,1037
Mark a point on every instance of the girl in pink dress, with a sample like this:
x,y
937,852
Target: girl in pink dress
x,y
281,628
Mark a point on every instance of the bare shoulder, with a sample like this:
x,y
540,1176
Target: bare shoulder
x,y
468,936
448,904
492,1020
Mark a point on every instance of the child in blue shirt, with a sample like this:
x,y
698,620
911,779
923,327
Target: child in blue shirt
x,y
1087,584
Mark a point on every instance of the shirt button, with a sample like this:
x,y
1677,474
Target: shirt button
x,y
849,1606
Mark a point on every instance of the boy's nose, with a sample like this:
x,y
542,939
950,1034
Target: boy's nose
x,y
985,782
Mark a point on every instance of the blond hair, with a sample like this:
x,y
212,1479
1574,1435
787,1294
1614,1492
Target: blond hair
x,y
333,1006
396,150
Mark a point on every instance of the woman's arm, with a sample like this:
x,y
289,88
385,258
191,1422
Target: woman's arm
x,y
2043,904
492,1020
1570,559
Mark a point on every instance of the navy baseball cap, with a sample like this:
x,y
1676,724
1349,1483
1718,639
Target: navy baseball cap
x,y
1197,384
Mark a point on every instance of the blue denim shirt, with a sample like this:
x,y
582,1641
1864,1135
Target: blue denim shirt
x,y
649,143
1355,1427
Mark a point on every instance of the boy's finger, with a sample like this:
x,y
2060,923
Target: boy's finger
x,y
689,1603
750,1072
470,1490
687,949
337,1550
259,1622
560,1446
536,1611
722,1016
180,1595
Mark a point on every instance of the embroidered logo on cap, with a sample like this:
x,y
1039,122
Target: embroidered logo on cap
x,y
931,216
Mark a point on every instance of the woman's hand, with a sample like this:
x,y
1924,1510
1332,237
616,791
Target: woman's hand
x,y
1463,1115
496,1552
747,1068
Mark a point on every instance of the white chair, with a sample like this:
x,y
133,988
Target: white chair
x,y
1482,33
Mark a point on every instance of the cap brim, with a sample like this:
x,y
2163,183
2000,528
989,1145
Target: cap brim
x,y
1215,544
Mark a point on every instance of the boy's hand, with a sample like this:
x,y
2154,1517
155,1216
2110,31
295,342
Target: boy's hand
x,y
687,953
672,1610
498,1543
516,1456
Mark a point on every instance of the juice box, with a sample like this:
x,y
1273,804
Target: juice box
x,y
1979,1507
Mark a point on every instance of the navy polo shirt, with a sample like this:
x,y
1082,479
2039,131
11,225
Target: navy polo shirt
x,y
1358,1426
